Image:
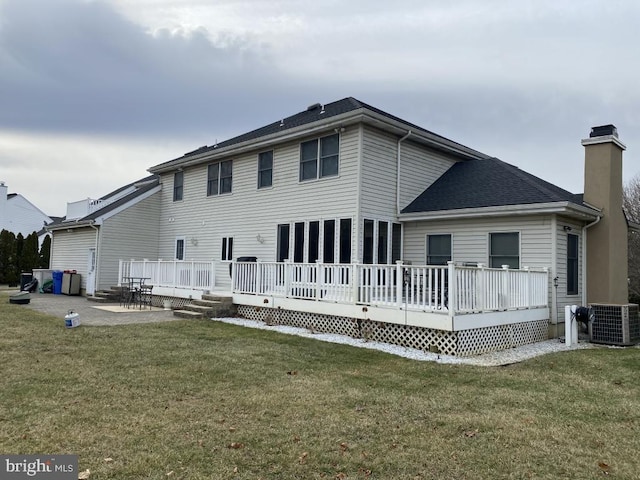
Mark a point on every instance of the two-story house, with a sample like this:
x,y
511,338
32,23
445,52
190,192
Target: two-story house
x,y
363,222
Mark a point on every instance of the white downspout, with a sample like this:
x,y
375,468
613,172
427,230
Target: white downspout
x,y
584,259
95,274
554,269
398,172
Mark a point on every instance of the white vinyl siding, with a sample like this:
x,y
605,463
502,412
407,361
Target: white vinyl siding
x,y
70,250
470,239
132,233
419,168
250,212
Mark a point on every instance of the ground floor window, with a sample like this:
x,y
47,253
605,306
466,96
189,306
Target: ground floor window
x,y
572,264
179,254
438,249
227,249
382,242
327,241
504,249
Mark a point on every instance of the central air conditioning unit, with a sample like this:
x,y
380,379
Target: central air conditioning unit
x,y
615,324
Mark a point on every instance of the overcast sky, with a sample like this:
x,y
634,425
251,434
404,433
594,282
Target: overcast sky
x,y
93,93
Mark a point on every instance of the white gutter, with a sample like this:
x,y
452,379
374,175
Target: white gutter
x,y
398,172
502,210
584,258
554,268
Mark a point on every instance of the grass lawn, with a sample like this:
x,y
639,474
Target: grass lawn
x,y
205,400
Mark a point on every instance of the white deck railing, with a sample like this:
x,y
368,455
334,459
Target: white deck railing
x,y
181,274
451,288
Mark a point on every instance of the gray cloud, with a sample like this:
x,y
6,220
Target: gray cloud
x,y
523,81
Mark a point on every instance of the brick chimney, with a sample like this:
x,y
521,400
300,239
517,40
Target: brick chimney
x,y
607,261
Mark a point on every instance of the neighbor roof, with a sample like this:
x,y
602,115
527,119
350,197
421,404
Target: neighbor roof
x,y
143,185
487,183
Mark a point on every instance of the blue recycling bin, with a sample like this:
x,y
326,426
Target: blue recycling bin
x,y
57,282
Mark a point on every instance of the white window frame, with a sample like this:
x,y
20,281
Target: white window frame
x,y
319,158
489,253
226,253
184,248
175,175
262,187
426,246
219,178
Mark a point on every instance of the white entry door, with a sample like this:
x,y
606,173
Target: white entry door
x,y
91,272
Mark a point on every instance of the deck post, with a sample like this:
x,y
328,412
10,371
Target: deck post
x,y
258,289
482,286
318,287
120,272
355,279
453,288
287,277
504,304
527,293
399,283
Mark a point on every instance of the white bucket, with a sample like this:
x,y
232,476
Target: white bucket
x,y
72,320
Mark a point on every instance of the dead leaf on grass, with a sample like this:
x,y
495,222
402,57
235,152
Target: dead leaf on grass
x,y
296,438
168,474
604,467
471,433
303,458
344,447
341,476
84,475
292,372
108,459
236,445
232,429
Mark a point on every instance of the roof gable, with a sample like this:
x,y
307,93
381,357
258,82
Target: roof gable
x,y
487,183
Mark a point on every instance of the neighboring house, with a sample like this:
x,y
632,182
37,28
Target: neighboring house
x,y
96,234
361,221
19,215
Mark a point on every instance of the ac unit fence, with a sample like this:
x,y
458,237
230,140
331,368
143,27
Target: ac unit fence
x,y
615,324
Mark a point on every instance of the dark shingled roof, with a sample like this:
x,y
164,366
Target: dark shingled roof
x,y
313,113
487,183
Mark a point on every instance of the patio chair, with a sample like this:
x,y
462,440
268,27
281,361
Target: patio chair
x,y
145,295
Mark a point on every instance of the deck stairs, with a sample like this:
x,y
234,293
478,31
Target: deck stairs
x,y
210,306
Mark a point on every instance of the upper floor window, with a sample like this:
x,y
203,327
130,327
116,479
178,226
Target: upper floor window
x,y
319,157
265,169
178,182
219,178
504,249
438,249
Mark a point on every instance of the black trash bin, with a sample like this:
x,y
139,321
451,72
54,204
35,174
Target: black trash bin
x,y
242,259
25,278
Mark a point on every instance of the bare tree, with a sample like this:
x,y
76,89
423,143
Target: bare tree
x,y
631,204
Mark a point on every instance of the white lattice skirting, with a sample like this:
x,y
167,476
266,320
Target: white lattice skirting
x,y
463,343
